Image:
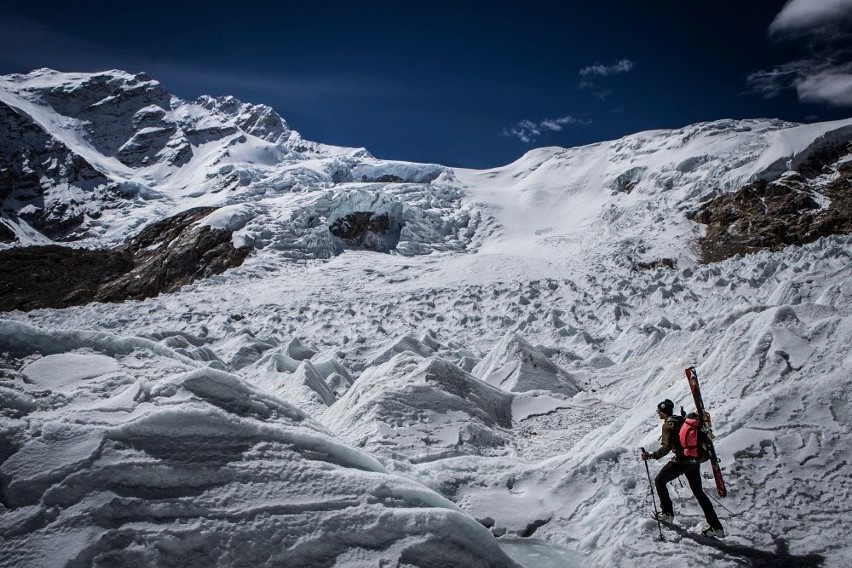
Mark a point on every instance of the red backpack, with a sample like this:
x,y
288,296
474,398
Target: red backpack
x,y
692,439
689,437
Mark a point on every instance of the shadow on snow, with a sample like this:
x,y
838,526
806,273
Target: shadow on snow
x,y
754,557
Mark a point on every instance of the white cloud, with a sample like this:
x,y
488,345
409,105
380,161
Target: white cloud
x,y
832,86
824,75
557,123
601,70
814,80
528,131
803,15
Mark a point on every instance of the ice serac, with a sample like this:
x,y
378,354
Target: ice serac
x,y
196,467
422,410
515,365
401,345
304,386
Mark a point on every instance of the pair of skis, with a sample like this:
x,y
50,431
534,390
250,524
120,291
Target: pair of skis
x,y
704,425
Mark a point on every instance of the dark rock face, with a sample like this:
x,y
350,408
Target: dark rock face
x,y
37,171
797,209
257,120
115,107
669,263
367,229
163,257
55,276
386,178
353,226
171,253
7,235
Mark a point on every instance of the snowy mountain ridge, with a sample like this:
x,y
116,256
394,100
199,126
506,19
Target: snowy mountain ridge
x,y
115,143
419,365
130,153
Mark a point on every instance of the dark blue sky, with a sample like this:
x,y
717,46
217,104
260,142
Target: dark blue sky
x,y
446,82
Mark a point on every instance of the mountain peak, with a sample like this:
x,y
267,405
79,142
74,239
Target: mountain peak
x,y
255,119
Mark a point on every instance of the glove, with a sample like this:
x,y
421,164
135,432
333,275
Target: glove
x,y
646,456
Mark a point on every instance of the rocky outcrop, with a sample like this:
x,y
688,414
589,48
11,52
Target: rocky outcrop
x,y
163,257
669,263
42,181
367,220
364,229
796,209
257,120
172,253
128,116
54,276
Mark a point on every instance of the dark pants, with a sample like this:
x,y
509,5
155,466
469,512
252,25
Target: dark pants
x,y
692,472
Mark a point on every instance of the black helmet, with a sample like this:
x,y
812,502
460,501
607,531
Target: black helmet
x,y
666,407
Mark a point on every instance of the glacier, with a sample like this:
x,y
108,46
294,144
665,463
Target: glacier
x,y
475,395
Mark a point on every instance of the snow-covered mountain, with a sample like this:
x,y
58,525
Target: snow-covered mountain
x,y
408,349
91,157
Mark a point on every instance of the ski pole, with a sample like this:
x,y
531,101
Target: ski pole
x,y
653,498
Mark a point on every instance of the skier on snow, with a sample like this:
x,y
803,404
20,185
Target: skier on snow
x,y
679,465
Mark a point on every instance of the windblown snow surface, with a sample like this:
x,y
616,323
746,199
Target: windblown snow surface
x,y
479,394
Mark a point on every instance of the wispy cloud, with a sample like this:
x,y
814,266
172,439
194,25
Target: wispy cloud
x,y
814,82
824,74
595,90
770,83
528,131
601,70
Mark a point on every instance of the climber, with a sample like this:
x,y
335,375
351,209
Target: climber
x,y
679,465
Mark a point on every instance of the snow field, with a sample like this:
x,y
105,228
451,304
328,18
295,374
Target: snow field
x,y
774,377
128,464
327,406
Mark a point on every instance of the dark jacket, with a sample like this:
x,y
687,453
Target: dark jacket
x,y
669,441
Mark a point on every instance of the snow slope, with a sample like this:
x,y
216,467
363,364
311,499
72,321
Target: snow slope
x,y
142,458
350,389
